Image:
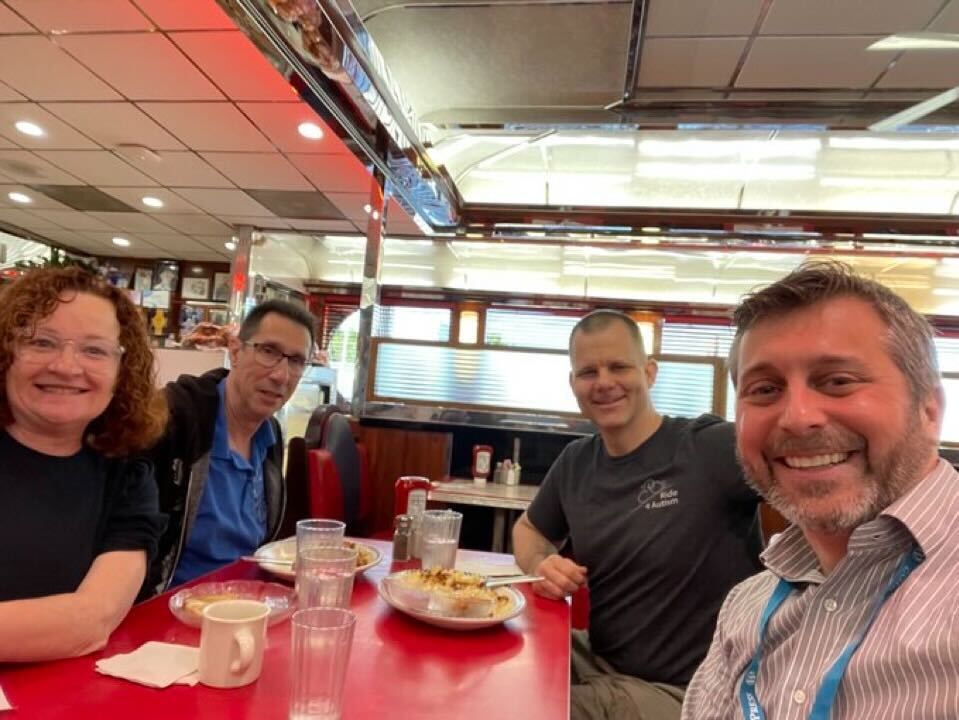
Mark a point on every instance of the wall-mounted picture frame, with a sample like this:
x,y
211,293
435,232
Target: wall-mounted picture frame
x,y
218,316
143,279
195,288
157,319
156,299
190,317
221,287
165,275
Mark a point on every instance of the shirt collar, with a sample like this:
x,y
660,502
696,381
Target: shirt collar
x,y
928,515
263,438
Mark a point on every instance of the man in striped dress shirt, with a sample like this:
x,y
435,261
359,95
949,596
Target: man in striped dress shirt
x,y
838,412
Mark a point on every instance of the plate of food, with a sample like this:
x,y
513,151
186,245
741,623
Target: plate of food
x,y
285,552
188,604
451,599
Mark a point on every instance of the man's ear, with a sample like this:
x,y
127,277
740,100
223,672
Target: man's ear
x,y
234,344
650,368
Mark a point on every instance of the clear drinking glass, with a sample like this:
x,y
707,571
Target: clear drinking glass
x,y
324,576
321,642
440,536
318,532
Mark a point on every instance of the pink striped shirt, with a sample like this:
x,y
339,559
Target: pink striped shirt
x,y
907,666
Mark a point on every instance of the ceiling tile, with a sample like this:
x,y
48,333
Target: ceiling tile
x,y
224,202
204,256
279,122
849,17
152,68
260,222
137,244
311,205
703,17
37,68
209,126
351,205
131,222
916,69
59,135
192,224
115,123
7,144
96,167
83,197
183,169
231,61
948,21
133,196
7,93
40,201
323,225
72,239
211,243
399,223
186,14
75,220
689,62
824,62
56,16
171,243
24,166
26,219
268,171
11,23
342,173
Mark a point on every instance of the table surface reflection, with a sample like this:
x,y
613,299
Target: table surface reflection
x,y
399,667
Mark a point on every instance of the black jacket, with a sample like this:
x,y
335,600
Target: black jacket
x,y
182,461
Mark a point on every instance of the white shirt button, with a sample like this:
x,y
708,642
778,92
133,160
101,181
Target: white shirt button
x,y
799,697
831,605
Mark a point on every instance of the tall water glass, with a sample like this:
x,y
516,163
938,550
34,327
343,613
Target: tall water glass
x,y
440,538
321,642
318,532
324,576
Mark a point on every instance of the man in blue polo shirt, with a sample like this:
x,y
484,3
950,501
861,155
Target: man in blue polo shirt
x,y
219,466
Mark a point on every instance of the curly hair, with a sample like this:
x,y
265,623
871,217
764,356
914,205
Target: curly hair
x,y
137,413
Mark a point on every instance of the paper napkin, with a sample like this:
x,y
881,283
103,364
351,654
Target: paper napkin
x,y
489,569
4,703
156,664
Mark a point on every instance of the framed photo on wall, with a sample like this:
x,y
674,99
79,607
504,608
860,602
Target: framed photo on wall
x,y
195,288
165,274
143,279
218,316
221,287
156,299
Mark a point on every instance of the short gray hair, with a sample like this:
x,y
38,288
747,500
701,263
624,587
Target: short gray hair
x,y
909,340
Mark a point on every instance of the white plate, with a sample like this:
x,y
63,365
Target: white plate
x,y
286,550
455,623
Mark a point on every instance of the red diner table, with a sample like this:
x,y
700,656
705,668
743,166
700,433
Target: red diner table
x,y
399,667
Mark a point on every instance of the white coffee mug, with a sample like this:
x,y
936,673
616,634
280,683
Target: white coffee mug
x,y
232,639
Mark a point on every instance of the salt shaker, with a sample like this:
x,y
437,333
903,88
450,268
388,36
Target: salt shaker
x,y
403,538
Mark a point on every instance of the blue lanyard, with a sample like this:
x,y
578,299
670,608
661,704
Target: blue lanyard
x,y
822,706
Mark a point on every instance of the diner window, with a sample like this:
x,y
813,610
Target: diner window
x,y
525,328
341,353
405,322
947,352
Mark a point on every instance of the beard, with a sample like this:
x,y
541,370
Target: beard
x,y
884,480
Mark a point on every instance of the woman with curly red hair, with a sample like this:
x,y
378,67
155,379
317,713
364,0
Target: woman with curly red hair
x,y
78,519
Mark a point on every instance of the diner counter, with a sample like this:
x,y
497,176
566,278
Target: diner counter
x,y
399,667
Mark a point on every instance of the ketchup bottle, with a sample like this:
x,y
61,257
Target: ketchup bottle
x,y
410,495
482,463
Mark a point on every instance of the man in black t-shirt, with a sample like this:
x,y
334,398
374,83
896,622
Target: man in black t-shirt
x,y
660,526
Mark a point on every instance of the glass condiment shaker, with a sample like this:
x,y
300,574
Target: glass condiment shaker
x,y
403,538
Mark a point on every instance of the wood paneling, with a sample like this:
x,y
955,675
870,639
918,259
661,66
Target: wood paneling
x,y
394,452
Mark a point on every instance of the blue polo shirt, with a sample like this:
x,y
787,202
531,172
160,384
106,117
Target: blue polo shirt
x,y
231,519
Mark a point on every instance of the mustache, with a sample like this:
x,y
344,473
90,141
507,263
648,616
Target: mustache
x,y
820,441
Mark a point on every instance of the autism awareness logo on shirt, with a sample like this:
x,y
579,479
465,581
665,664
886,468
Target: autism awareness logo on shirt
x,y
656,494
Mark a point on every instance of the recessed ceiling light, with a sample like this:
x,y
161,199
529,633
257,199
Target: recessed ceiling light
x,y
19,197
310,131
29,128
121,242
229,245
367,208
197,269
152,202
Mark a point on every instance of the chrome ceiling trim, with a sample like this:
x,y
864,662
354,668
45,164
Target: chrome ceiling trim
x,y
355,89
448,4
637,33
499,420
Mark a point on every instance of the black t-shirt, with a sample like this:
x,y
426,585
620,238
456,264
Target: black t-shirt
x,y
57,514
664,533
